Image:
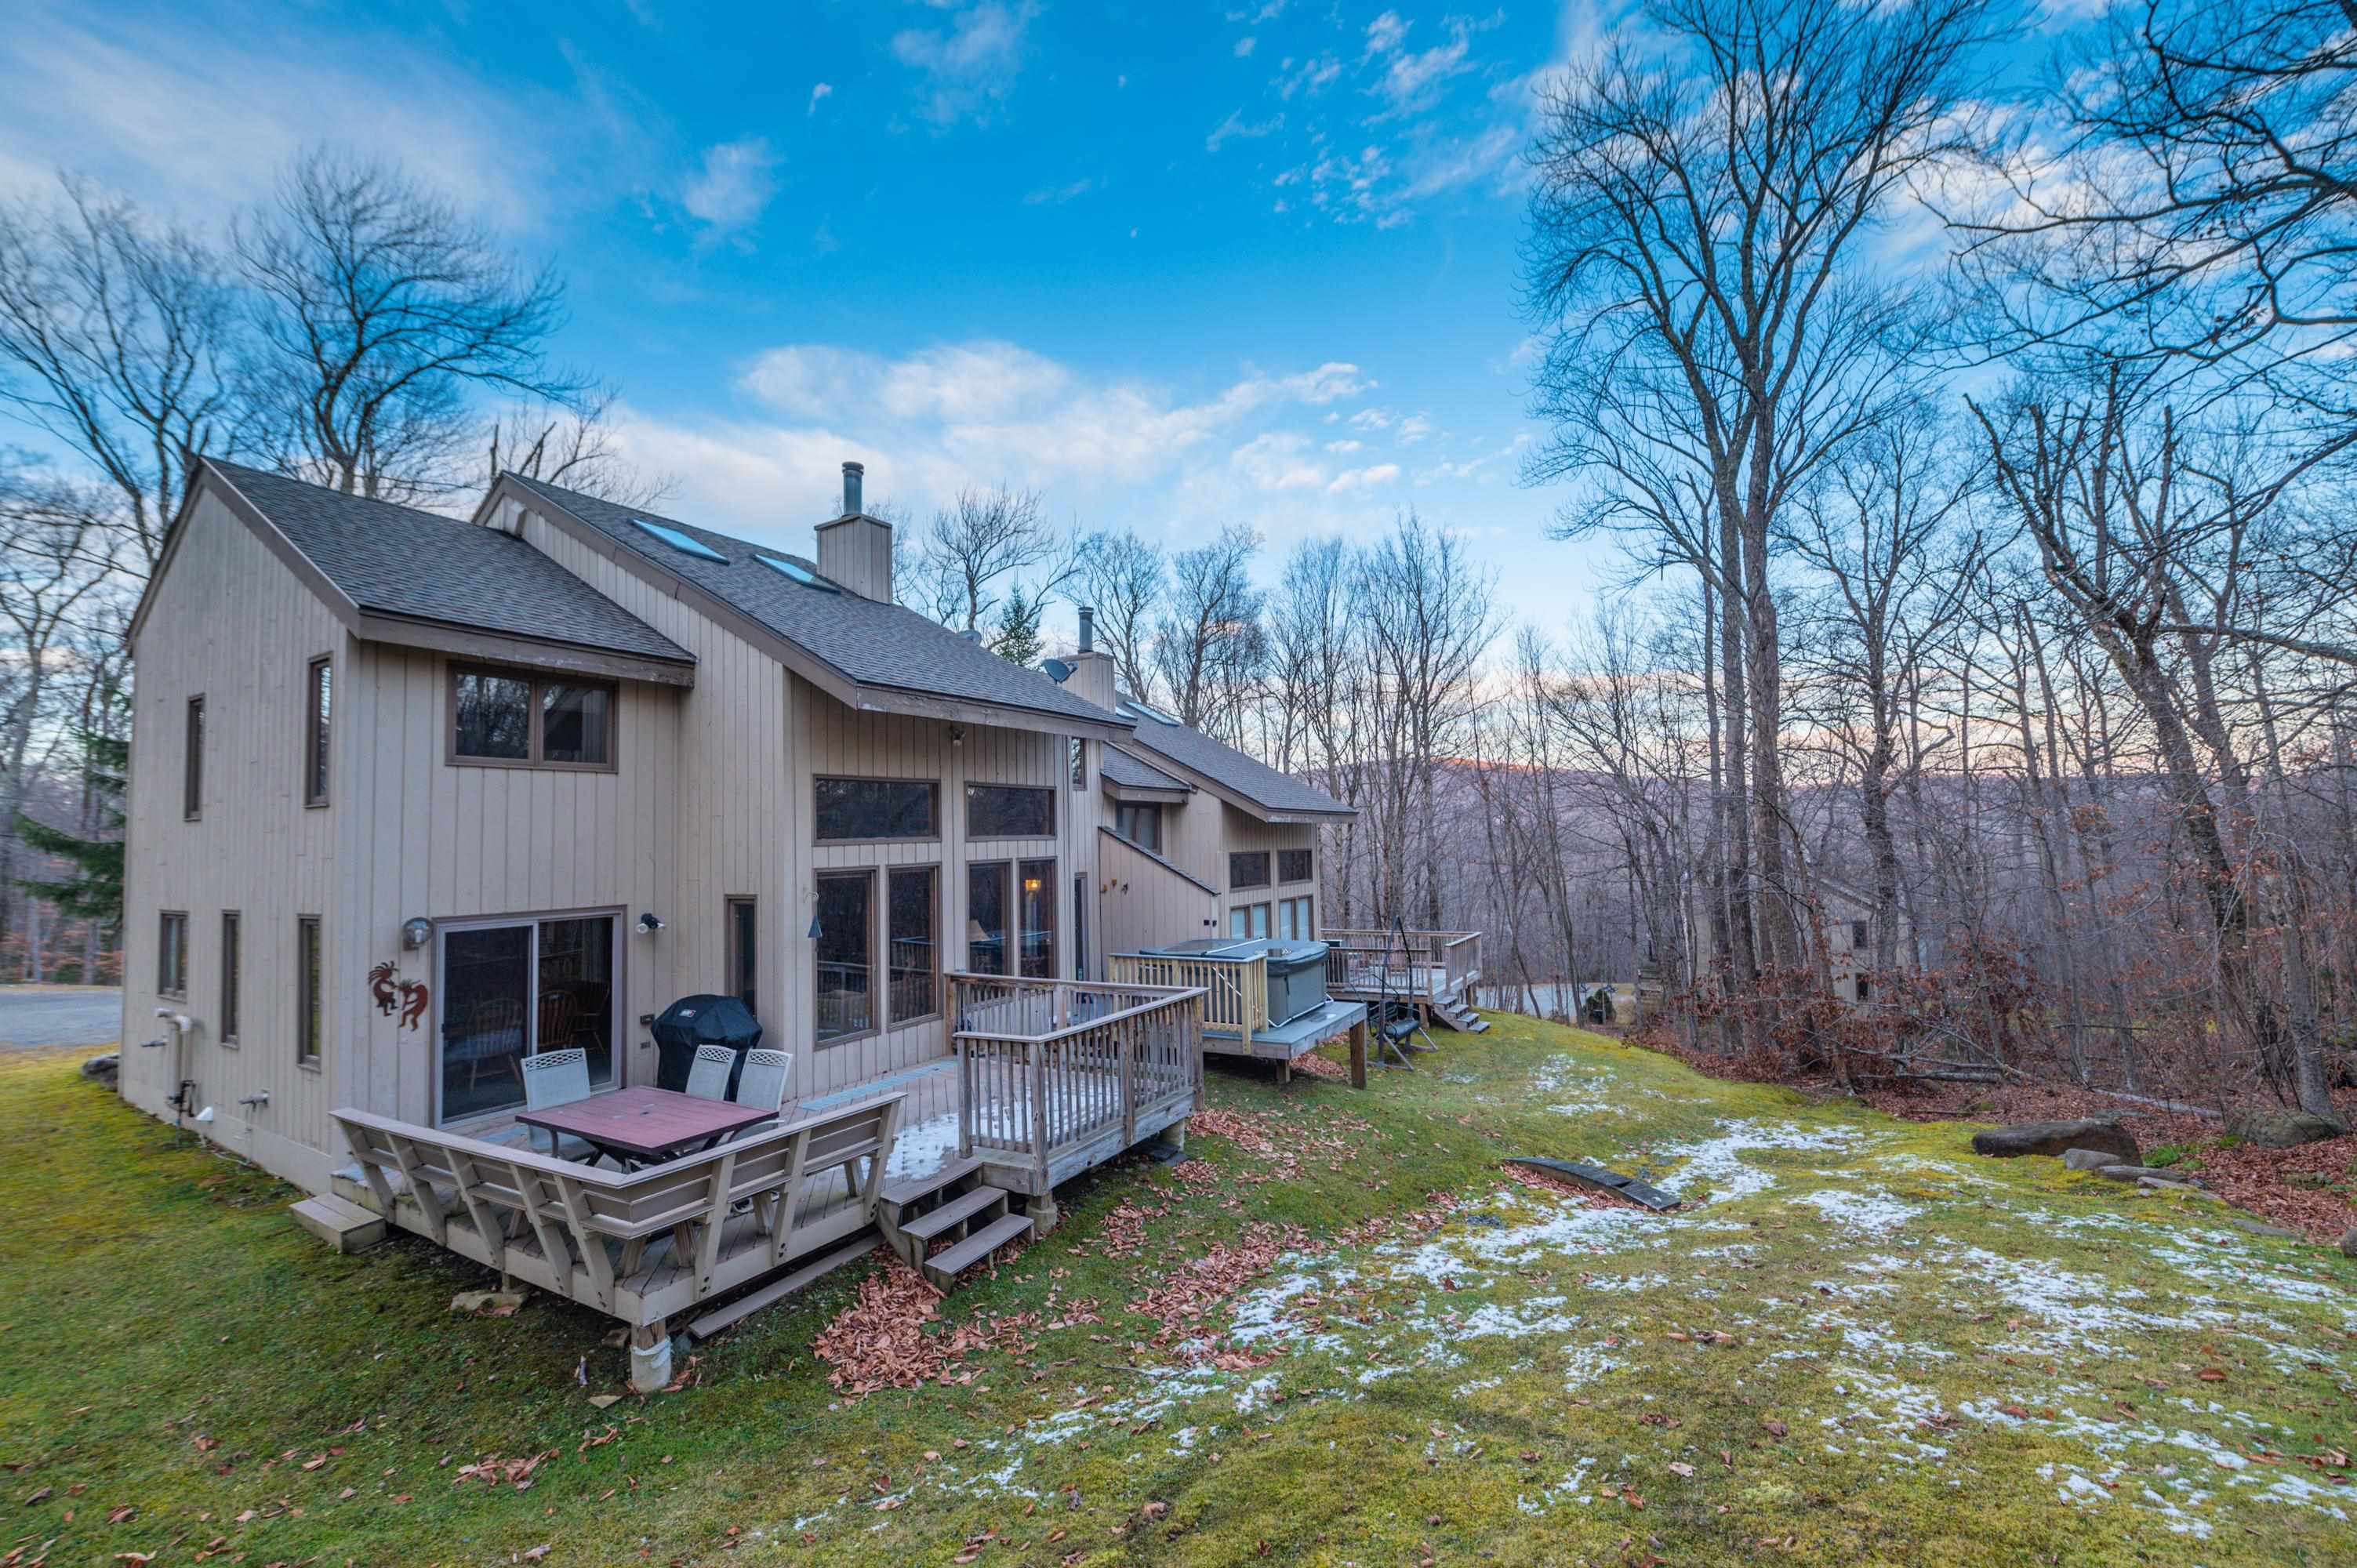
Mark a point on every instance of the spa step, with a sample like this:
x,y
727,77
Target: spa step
x,y
346,1226
943,1268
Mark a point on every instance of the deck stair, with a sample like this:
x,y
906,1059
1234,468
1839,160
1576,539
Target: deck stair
x,y
1458,1017
954,1205
347,1227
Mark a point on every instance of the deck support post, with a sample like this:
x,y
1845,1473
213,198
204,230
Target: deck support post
x,y
1043,1214
1359,1053
646,1337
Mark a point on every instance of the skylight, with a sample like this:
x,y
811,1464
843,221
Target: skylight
x,y
1138,710
679,540
802,575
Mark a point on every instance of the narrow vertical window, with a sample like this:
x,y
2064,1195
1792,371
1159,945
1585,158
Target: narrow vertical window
x,y
318,701
985,917
912,903
172,954
192,775
1038,906
227,1032
1077,761
743,951
310,992
846,963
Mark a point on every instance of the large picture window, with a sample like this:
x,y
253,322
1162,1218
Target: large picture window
x,y
1009,811
846,958
912,902
504,718
1140,824
851,810
1294,866
514,988
1248,868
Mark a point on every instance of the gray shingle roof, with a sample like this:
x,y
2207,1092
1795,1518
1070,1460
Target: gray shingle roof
x,y
1234,771
876,645
398,561
1136,773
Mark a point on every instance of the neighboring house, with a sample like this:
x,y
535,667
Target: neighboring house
x,y
1202,839
414,797
1849,937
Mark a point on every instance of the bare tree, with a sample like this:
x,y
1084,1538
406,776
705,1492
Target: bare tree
x,y
1123,577
1703,206
118,340
383,315
1208,643
981,544
572,444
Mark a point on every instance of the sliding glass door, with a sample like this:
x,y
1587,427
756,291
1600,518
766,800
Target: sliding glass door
x,y
510,989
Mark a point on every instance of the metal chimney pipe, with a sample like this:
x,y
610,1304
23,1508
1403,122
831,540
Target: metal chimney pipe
x,y
852,473
1088,628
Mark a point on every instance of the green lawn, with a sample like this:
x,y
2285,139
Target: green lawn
x,y
1862,1344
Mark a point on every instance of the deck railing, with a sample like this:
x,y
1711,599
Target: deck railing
x,y
1236,990
1407,963
1047,1069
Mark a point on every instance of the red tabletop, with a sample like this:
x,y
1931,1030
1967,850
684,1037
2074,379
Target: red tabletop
x,y
647,1123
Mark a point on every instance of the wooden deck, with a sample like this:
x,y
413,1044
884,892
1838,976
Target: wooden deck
x,y
1406,966
1048,1079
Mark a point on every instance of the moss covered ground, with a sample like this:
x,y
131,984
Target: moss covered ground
x,y
1853,1343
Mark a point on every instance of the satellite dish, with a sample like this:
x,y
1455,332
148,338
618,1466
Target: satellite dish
x,y
1057,671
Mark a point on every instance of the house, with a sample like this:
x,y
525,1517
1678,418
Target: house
x,y
415,798
1847,914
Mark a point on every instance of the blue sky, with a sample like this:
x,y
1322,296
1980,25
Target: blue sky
x,y
1174,267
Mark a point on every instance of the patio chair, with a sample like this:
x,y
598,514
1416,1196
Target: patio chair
x,y
708,1077
763,1082
559,1078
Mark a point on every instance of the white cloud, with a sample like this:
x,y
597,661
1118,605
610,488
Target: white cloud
x,y
821,91
734,187
1245,45
970,65
1274,461
1371,419
1056,195
1363,479
1386,33
1235,126
1414,428
1307,76
1343,447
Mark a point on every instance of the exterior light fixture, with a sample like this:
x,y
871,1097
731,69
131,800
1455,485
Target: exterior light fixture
x,y
416,931
650,923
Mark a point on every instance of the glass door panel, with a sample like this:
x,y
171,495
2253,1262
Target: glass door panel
x,y
1037,905
985,919
486,990
575,1002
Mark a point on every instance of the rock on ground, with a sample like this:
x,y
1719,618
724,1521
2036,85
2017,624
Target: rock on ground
x,y
2349,1243
2058,1138
2283,1129
2088,1159
105,1067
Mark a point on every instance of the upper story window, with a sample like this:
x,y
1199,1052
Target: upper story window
x,y
1294,866
507,718
318,703
851,809
1858,936
1248,868
1076,761
192,770
1140,824
1009,811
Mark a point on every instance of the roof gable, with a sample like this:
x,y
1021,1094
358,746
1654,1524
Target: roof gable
x,y
1244,780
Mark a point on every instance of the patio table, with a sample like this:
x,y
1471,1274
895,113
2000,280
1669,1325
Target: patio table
x,y
647,1127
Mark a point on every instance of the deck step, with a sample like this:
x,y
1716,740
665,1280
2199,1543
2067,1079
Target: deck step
x,y
777,1290
346,1226
943,1268
963,1207
913,1189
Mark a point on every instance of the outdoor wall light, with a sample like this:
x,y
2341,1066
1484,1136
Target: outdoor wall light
x,y
650,923
416,931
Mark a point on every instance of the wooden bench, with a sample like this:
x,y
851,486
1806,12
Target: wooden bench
x,y
638,1245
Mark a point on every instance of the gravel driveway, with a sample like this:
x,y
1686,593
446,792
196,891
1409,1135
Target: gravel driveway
x,y
67,1016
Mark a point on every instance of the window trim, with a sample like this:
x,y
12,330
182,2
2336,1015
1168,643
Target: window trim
x,y
934,784
1267,869
892,1020
734,956
538,680
310,993
164,918
1047,790
1310,873
318,735
232,991
875,1001
192,761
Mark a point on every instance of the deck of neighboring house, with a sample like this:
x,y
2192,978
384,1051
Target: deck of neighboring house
x,y
946,1163
1432,972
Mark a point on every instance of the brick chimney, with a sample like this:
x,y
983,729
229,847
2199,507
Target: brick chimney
x,y
856,550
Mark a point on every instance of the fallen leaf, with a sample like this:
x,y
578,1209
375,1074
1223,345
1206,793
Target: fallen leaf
x,y
1775,1428
1681,1469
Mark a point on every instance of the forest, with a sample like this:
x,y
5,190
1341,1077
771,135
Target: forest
x,y
1973,453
